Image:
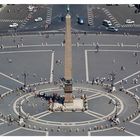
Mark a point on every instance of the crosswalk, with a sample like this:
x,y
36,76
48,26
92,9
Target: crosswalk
x,y
49,15
130,25
90,16
9,20
111,17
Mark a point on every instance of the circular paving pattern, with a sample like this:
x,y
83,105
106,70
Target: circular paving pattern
x,y
35,111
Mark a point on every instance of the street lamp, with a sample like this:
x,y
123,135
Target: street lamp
x,y
112,80
19,107
25,78
116,111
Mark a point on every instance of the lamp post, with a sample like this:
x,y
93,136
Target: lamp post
x,y
116,111
25,78
112,80
19,107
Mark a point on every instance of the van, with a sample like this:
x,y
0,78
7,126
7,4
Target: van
x,y
107,23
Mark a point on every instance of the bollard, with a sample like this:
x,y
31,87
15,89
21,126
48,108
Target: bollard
x,y
128,118
46,129
89,129
124,120
83,109
101,127
111,124
95,127
77,44
73,110
29,126
70,130
86,108
34,127
52,129
106,126
77,130
83,129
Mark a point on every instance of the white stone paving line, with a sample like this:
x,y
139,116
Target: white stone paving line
x,y
52,67
86,62
135,118
135,123
94,114
11,78
97,113
6,88
11,131
34,130
44,122
89,132
127,77
37,115
2,123
127,132
133,87
95,131
114,50
28,51
45,114
94,97
86,65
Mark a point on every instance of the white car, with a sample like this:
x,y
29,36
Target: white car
x,y
30,8
112,29
13,25
38,19
129,21
131,5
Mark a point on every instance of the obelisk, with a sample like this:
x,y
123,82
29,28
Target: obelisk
x,y
68,62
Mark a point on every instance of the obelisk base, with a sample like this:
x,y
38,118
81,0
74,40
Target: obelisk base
x,y
68,98
68,92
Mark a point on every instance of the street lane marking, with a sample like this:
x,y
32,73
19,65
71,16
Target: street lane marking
x,y
11,78
11,131
133,87
6,87
52,68
86,64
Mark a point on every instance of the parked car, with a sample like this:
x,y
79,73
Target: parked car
x,y
30,8
38,19
129,21
13,25
107,23
131,5
112,29
80,20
